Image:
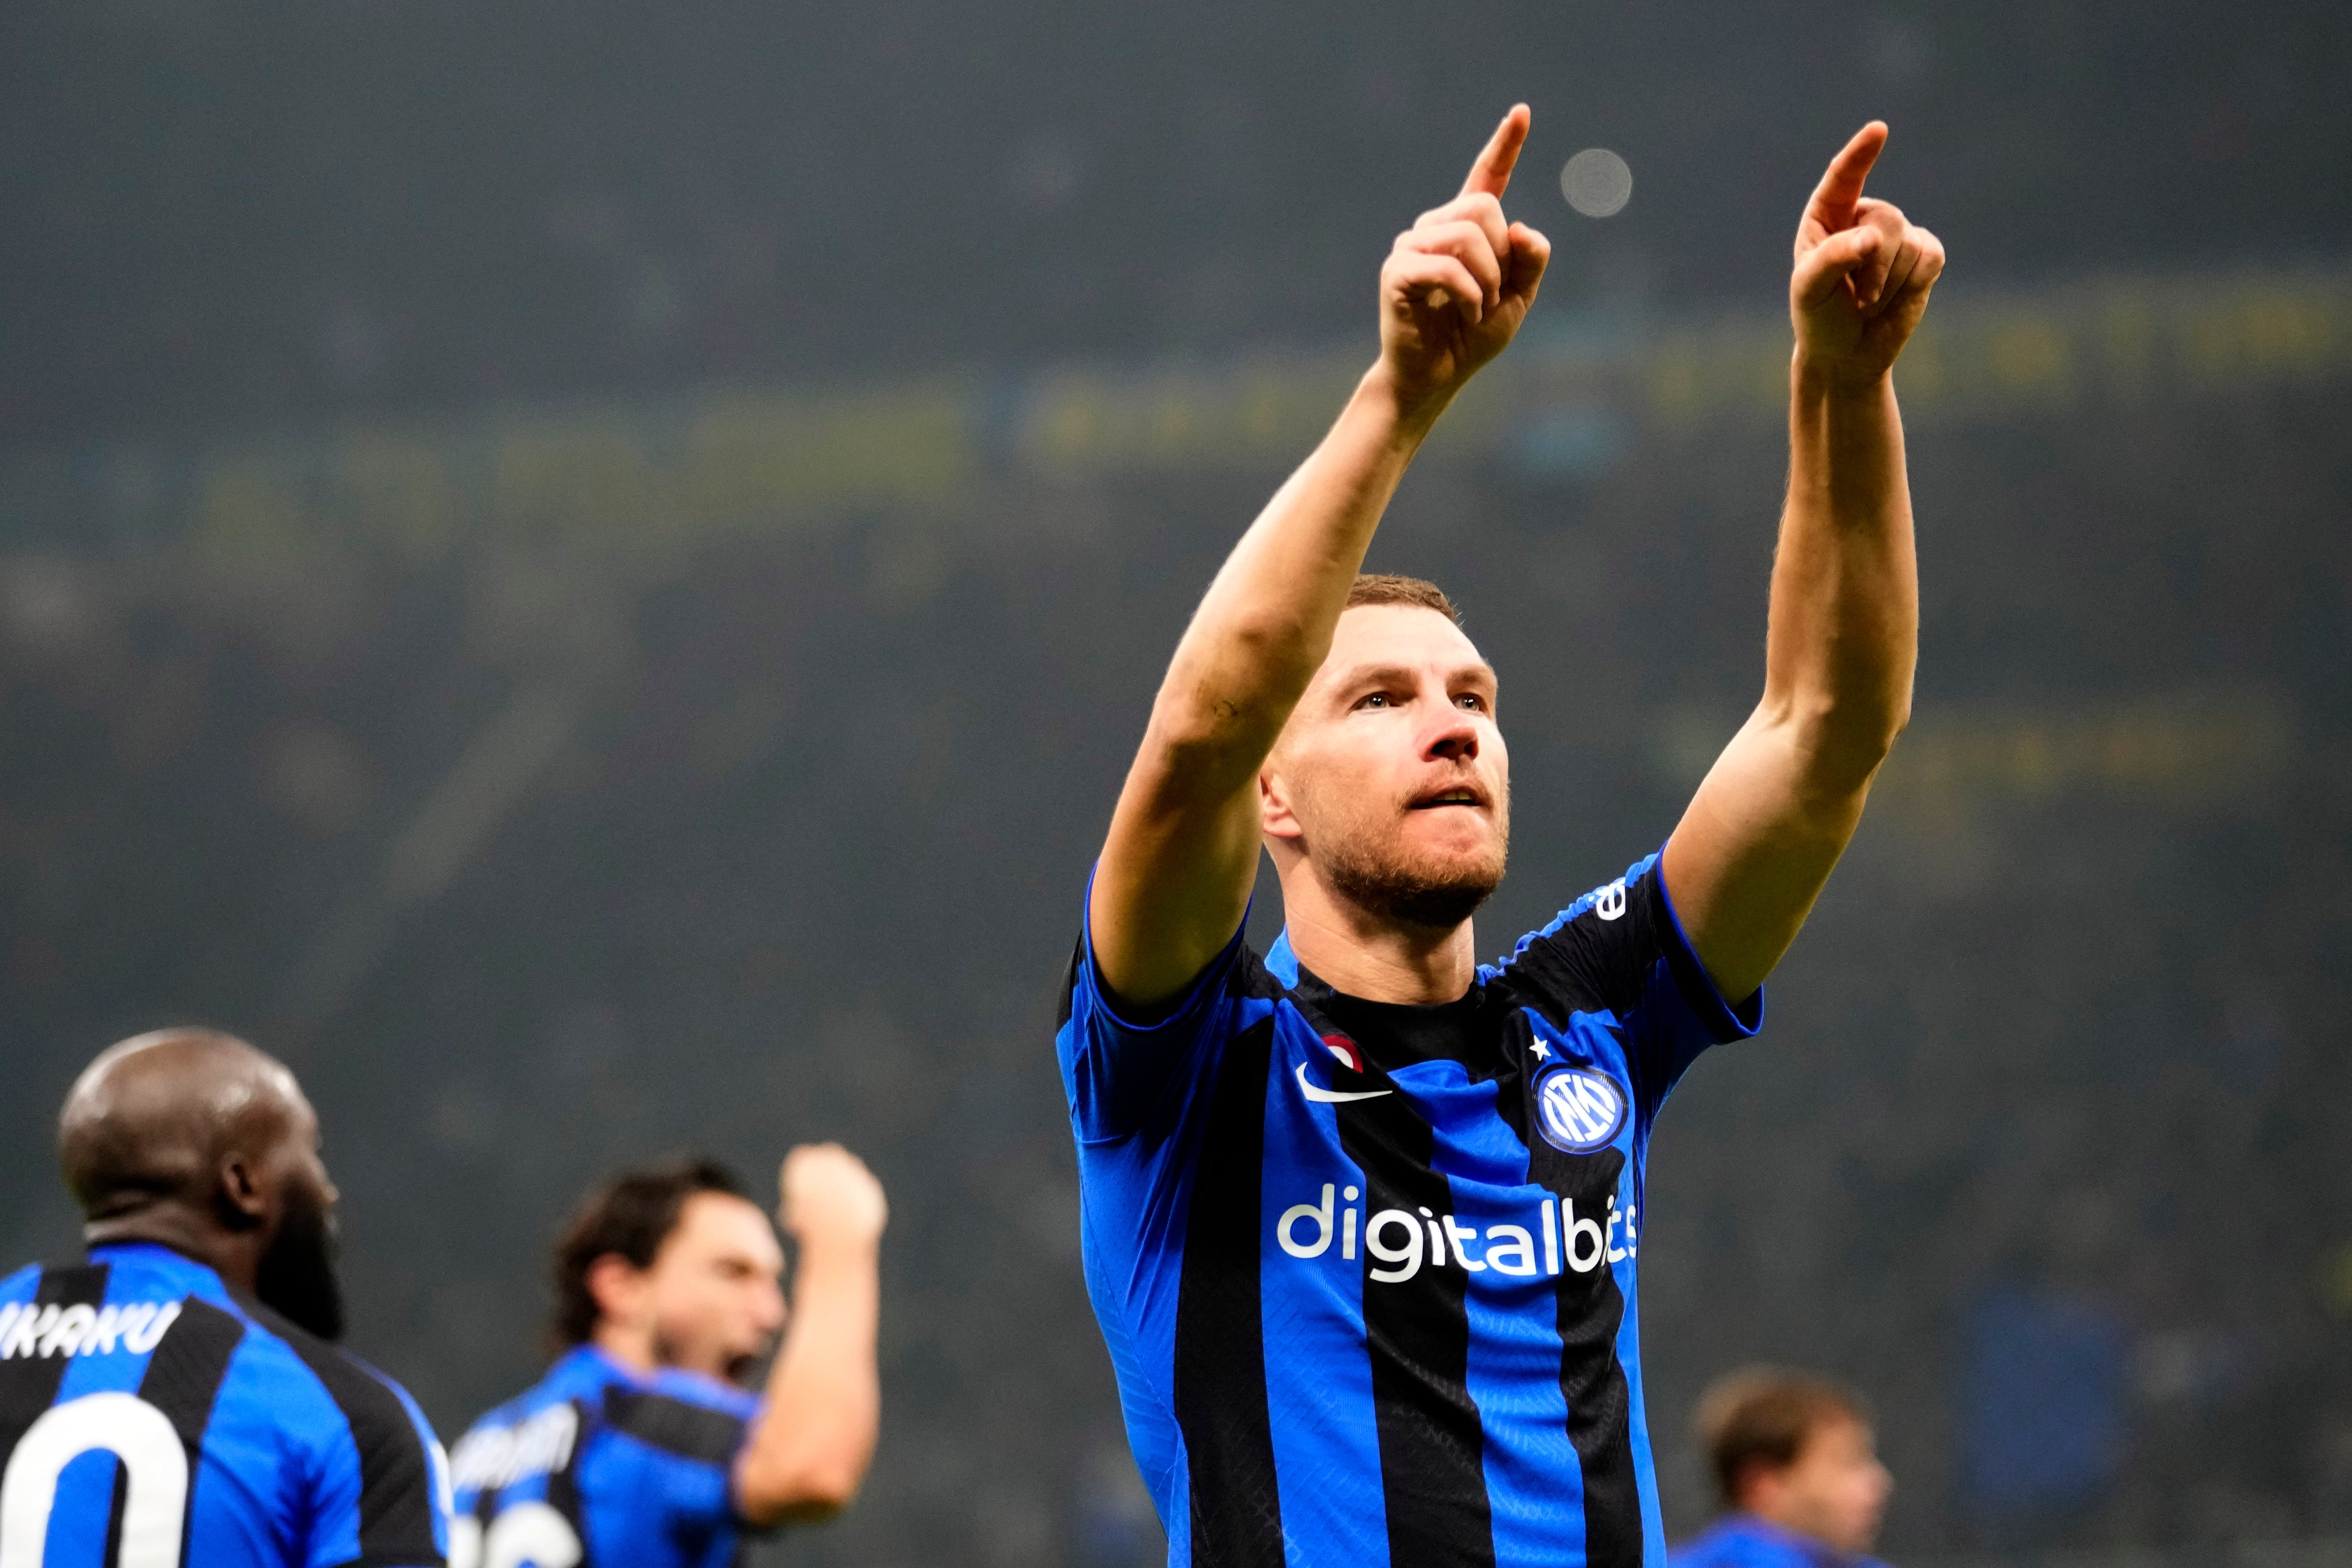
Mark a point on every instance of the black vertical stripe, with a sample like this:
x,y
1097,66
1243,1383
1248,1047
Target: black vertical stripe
x,y
28,1383
563,1484
485,1512
1433,1451
1587,1310
691,1431
1599,1400
183,1379
397,1502
113,1550
1220,1354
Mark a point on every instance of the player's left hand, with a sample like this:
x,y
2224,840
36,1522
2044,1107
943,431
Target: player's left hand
x,y
1862,271
829,1195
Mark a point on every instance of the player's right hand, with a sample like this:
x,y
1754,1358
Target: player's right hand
x,y
828,1195
1459,281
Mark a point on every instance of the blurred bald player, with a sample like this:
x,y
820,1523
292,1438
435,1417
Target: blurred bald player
x,y
179,1398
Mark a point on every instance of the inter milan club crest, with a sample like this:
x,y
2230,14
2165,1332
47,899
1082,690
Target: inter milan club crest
x,y
1578,1110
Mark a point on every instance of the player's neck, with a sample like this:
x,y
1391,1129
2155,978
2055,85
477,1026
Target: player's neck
x,y
632,1347
1353,950
236,1258
1793,1517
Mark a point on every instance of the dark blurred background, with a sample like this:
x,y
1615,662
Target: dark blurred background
x,y
588,572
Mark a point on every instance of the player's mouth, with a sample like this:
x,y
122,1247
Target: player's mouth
x,y
1444,799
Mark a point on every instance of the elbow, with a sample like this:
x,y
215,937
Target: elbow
x,y
1208,740
1234,690
1847,738
805,1491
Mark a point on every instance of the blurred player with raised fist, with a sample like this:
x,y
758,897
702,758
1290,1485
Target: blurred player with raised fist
x,y
1364,1216
640,1444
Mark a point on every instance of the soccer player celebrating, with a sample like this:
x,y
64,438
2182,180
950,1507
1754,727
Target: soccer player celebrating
x,y
1362,1216
1796,1465
179,1398
639,1446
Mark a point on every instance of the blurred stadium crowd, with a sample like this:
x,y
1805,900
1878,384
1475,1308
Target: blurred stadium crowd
x,y
656,721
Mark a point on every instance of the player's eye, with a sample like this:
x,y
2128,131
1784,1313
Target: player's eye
x,y
1472,700
1376,699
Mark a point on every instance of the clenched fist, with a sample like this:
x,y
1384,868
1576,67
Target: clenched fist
x,y
1459,281
829,1196
1863,270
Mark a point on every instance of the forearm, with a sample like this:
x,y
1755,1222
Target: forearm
x,y
1267,619
1177,866
1844,619
823,1406
1178,863
1774,814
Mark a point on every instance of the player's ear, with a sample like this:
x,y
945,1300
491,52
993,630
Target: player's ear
x,y
1274,817
617,1287
238,1191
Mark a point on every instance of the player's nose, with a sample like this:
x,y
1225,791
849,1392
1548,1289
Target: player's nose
x,y
1453,740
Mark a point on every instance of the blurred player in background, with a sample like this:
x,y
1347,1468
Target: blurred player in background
x,y
1361,1217
179,1398
1796,1463
640,1446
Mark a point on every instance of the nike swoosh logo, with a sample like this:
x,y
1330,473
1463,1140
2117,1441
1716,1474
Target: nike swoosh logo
x,y
1336,1096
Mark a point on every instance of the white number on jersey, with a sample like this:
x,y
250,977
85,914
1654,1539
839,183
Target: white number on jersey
x,y
524,1535
154,1465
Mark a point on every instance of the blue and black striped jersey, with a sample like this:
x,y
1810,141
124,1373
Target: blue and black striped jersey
x,y
150,1418
1367,1271
598,1464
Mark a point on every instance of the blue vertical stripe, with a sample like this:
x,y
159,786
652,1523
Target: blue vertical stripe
x,y
85,1496
1326,1442
1514,1348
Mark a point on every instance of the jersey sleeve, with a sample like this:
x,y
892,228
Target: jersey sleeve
x,y
1115,1068
689,1450
1621,950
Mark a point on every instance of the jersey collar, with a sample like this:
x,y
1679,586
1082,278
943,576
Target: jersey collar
x,y
157,1253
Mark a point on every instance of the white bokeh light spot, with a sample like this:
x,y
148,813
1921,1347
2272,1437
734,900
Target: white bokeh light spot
x,y
1597,183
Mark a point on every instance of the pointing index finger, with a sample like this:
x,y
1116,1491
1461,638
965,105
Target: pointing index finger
x,y
1840,186
1490,173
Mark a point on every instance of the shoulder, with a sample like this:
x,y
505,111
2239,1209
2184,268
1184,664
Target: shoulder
x,y
20,1286
388,1438
531,1434
1238,971
1604,908
707,1392
687,1418
1736,1542
573,1375
371,1401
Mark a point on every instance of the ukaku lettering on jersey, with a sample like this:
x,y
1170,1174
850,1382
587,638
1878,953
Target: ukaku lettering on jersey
x,y
1366,1272
597,1467
150,1418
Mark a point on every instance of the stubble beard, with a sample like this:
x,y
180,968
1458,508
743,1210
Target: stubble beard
x,y
1438,895
668,1351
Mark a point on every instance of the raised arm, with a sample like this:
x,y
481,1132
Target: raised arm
x,y
1176,868
808,1455
1773,816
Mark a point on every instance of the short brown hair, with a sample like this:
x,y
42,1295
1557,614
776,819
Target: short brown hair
x,y
1388,588
1761,1416
628,1217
